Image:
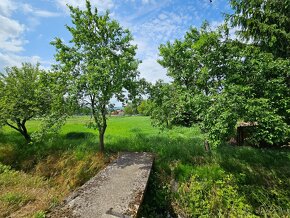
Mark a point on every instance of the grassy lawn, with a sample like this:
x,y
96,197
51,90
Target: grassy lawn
x,y
227,182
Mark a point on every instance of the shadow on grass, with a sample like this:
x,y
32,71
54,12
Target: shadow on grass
x,y
14,151
263,176
79,135
166,148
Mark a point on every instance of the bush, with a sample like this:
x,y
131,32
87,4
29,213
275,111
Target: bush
x,y
205,197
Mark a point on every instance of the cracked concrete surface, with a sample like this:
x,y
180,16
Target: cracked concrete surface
x,y
116,191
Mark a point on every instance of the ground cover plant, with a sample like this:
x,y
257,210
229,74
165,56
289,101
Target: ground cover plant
x,y
187,180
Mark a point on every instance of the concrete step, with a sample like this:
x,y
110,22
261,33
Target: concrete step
x,y
116,191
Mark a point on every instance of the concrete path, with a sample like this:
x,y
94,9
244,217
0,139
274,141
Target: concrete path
x,y
116,191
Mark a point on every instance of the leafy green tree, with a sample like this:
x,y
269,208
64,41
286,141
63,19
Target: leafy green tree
x,y
197,62
197,66
24,95
163,104
99,61
229,82
144,108
128,109
265,22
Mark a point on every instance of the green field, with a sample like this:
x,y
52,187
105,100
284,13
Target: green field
x,y
227,182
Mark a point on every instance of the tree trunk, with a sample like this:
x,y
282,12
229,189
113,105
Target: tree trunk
x,y
21,129
25,133
27,137
101,139
102,131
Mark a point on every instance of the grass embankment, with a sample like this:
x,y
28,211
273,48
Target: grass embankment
x,y
229,181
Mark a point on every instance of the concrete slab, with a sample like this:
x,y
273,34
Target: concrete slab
x,y
116,191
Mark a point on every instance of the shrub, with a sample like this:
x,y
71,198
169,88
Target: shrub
x,y
205,197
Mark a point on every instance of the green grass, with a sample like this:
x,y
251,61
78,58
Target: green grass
x,y
234,180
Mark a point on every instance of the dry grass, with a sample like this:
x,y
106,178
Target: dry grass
x,y
25,195
22,195
68,171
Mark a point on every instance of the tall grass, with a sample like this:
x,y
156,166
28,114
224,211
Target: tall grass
x,y
245,180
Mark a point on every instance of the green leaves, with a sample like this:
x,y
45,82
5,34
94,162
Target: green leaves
x,y
266,23
26,93
99,60
221,82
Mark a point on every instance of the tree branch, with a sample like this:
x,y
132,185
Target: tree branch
x,y
13,127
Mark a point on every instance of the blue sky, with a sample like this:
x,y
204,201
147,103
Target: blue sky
x,y
28,27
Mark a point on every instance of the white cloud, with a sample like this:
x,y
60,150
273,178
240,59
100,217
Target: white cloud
x,y
102,5
163,27
12,31
10,59
152,71
150,33
215,24
162,16
233,33
11,35
7,7
27,8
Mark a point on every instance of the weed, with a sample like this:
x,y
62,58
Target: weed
x,y
184,175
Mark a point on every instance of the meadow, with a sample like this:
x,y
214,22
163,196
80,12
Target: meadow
x,y
227,181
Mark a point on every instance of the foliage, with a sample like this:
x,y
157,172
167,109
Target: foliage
x,y
265,23
260,176
26,93
224,81
169,106
157,199
161,95
130,109
256,92
99,61
203,197
19,189
145,107
196,63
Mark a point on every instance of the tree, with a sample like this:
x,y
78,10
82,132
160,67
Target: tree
x,y
197,62
227,81
129,109
162,97
24,96
144,108
197,66
266,23
100,62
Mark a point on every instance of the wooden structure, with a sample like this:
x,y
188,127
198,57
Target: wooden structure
x,y
244,130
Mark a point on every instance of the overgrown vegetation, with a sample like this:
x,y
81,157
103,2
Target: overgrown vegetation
x,y
24,195
185,179
219,81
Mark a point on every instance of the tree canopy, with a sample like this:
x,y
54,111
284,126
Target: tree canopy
x,y
266,23
99,61
220,82
24,95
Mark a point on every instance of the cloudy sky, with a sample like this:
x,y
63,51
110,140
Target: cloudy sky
x,y
28,27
